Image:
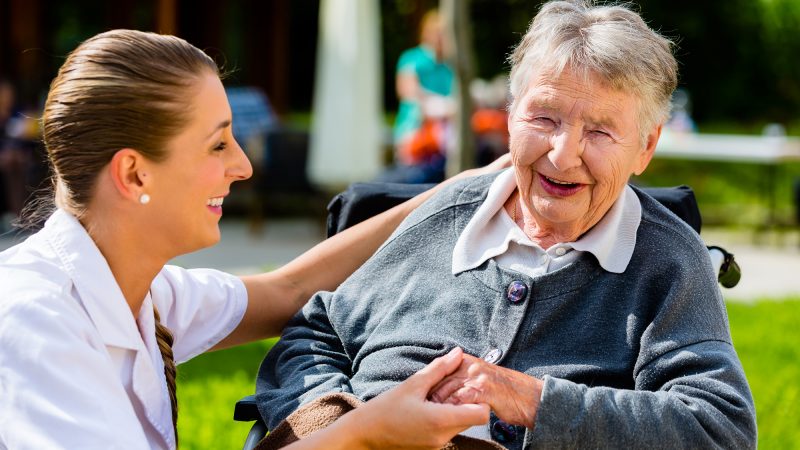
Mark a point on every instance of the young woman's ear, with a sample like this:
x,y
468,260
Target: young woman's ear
x,y
129,174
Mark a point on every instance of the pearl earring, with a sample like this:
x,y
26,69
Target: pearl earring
x,y
144,199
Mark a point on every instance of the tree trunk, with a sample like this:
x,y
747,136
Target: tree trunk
x,y
461,155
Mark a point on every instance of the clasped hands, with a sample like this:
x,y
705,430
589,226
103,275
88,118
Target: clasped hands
x,y
513,396
452,393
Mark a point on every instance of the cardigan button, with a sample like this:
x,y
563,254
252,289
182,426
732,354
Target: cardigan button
x,y
503,432
493,356
516,292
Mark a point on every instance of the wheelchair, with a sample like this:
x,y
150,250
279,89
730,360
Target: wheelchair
x,y
363,200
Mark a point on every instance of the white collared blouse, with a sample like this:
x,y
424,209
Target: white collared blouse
x,y
77,370
491,233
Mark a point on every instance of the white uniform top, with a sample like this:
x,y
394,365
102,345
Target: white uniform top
x,y
76,369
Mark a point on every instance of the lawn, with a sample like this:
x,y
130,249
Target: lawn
x,y
208,387
766,335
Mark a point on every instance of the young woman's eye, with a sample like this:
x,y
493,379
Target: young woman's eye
x,y
221,146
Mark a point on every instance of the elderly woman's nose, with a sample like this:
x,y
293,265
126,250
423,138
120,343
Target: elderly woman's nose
x,y
566,150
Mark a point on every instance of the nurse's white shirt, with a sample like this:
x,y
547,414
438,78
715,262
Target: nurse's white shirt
x,y
76,369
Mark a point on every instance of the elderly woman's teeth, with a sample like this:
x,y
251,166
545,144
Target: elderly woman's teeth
x,y
563,183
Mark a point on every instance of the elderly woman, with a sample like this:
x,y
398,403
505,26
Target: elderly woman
x,y
589,315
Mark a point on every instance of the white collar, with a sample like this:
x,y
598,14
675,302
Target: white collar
x,y
611,240
98,289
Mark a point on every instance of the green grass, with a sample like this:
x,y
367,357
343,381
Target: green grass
x,y
208,387
766,335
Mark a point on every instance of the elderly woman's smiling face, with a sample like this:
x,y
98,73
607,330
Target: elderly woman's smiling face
x,y
574,144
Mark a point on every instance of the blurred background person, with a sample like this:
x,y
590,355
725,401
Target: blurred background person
x,y
19,132
489,120
424,86
681,118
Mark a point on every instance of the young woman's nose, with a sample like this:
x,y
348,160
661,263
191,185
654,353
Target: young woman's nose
x,y
239,166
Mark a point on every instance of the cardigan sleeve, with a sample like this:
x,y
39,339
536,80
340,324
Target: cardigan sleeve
x,y
317,352
690,389
307,362
700,404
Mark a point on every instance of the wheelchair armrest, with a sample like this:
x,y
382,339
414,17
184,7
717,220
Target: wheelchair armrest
x,y
246,410
728,271
257,432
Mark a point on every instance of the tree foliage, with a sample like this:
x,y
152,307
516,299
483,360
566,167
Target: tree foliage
x,y
739,59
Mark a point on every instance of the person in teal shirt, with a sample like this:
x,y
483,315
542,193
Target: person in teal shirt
x,y
424,86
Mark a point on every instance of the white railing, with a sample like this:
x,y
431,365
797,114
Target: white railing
x,y
728,147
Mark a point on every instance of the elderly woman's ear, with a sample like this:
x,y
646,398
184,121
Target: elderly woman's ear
x,y
649,149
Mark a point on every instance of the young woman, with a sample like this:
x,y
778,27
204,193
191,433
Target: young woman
x,y
138,131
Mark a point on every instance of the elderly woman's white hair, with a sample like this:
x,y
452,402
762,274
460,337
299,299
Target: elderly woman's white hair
x,y
612,43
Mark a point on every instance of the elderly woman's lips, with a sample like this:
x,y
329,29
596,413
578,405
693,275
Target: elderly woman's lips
x,y
559,188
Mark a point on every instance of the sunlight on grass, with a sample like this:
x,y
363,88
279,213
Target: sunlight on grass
x,y
208,388
766,335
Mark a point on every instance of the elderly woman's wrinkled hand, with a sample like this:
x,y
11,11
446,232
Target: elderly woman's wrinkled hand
x,y
513,396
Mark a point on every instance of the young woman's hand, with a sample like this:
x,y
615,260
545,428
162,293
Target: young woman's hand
x,y
403,417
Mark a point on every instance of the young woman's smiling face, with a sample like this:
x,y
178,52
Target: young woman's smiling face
x,y
574,145
202,163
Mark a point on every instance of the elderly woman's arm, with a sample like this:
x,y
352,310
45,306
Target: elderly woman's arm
x,y
689,387
311,361
699,404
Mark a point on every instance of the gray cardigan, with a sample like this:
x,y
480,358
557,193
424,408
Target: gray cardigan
x,y
639,359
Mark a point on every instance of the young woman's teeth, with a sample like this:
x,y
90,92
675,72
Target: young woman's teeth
x,y
215,201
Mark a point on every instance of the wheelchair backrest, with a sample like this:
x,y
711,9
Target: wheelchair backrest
x,y
363,200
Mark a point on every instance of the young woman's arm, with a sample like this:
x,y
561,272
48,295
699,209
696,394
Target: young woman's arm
x,y
274,297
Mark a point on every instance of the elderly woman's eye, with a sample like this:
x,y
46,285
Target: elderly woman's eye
x,y
544,121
